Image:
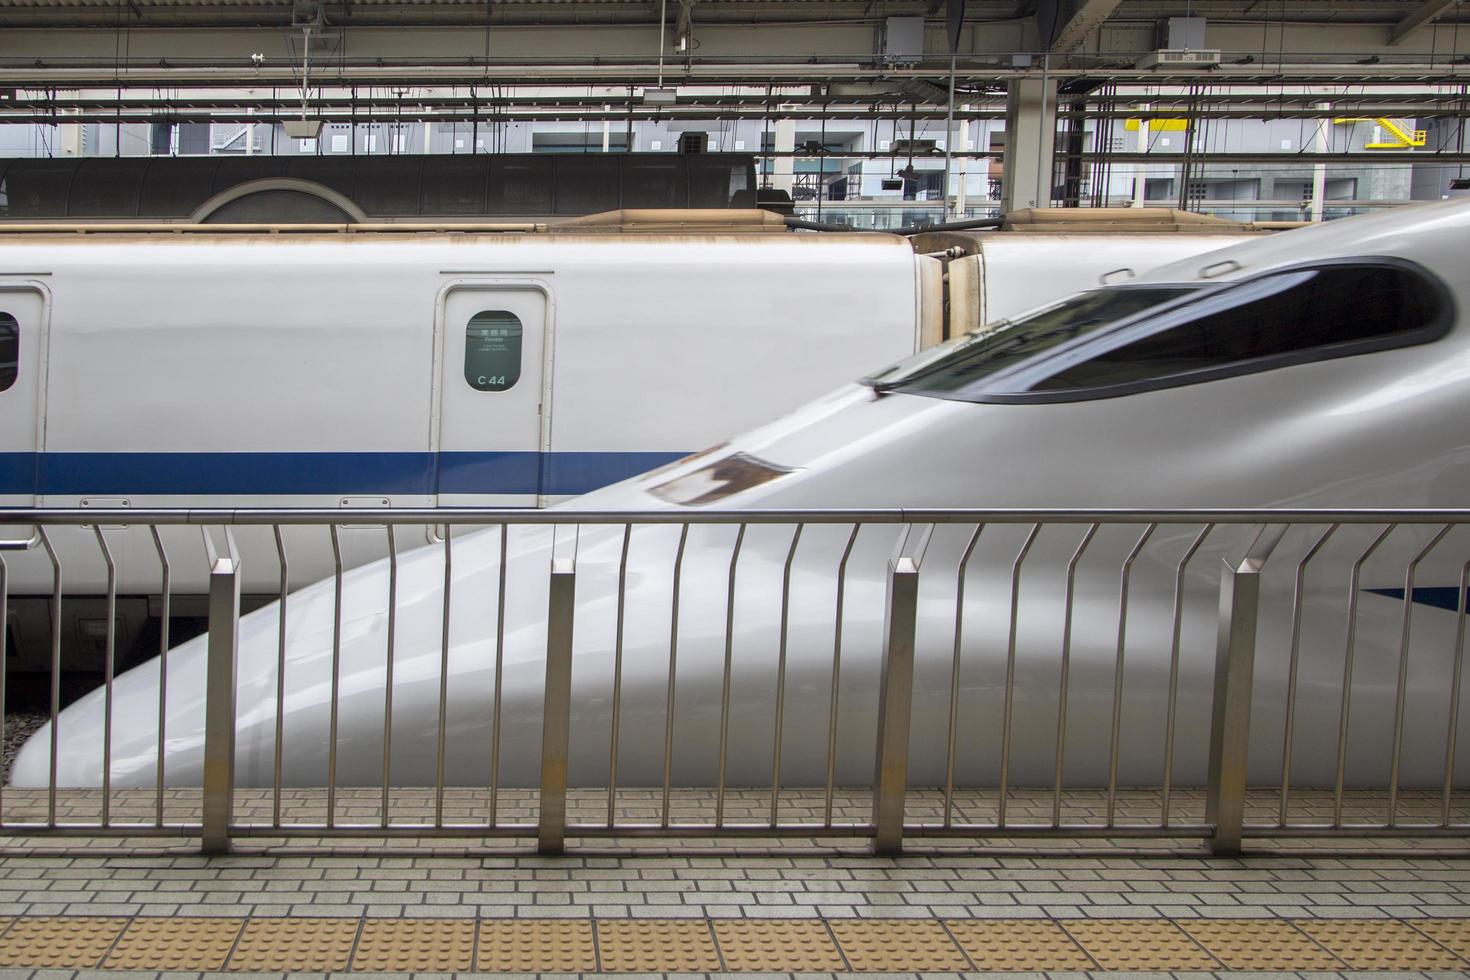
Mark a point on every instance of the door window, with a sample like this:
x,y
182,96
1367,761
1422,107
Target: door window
x,y
9,349
492,350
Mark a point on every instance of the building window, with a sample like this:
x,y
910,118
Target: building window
x,y
9,350
492,351
339,143
308,146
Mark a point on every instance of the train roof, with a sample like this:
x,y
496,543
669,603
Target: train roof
x,y
1432,234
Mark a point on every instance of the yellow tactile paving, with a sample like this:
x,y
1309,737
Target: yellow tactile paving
x,y
1018,945
193,944
656,946
1379,944
59,942
1139,944
1259,944
1454,933
740,945
777,946
415,945
897,945
296,945
536,946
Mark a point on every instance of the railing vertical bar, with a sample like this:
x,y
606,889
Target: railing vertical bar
x,y
617,693
1117,727
165,574
1396,759
1230,703
673,674
551,821
4,652
723,761
499,674
55,671
1453,733
1174,651
443,679
836,675
334,705
1293,664
895,698
109,664
1344,711
222,663
954,673
284,565
1064,680
781,676
388,665
1010,686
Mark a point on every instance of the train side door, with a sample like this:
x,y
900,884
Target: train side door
x,y
23,313
492,432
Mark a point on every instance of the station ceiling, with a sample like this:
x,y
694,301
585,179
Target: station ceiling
x,y
375,59
459,13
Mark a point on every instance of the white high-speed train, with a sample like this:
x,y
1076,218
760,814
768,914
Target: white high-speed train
x,y
200,367
1327,367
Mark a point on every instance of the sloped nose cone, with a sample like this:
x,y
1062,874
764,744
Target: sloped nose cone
x,y
81,727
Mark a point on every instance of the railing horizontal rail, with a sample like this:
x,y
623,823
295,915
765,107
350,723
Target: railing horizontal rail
x,y
12,516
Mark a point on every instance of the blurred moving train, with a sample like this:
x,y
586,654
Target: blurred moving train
x,y
1320,368
224,366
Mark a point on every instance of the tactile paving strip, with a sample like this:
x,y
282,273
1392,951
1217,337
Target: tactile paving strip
x,y
1379,944
1454,933
656,946
536,946
193,944
59,942
1018,945
777,946
294,945
415,945
897,945
1259,944
1139,944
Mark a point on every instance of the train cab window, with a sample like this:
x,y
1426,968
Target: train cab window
x,y
492,350
1273,321
9,350
953,368
1288,317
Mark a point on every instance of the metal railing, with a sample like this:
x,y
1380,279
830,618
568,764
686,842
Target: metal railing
x,y
979,794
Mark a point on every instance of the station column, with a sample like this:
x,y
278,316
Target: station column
x,y
1031,127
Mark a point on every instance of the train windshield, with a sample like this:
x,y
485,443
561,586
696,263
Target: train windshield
x,y
1126,339
957,364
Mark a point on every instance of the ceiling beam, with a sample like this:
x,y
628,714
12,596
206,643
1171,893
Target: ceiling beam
x,y
1426,12
1075,21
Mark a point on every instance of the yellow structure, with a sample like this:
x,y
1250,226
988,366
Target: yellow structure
x,y
1158,125
1401,137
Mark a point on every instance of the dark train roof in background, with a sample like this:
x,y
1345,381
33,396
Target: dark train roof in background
x,y
362,188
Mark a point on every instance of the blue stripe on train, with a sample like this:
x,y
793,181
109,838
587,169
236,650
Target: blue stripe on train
x,y
320,473
1438,596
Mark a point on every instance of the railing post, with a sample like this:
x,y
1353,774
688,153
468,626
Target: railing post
x,y
219,701
895,704
1230,707
557,718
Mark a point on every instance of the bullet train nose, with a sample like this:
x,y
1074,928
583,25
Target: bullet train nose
x,y
835,452
134,746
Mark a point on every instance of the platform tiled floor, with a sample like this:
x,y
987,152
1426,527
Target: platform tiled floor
x,y
314,906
